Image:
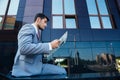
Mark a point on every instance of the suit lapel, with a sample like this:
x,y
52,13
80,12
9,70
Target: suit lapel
x,y
38,32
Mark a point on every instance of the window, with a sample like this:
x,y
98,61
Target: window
x,y
8,12
63,14
3,6
99,15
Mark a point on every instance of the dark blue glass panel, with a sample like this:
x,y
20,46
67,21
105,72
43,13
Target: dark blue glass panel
x,y
83,44
85,53
98,44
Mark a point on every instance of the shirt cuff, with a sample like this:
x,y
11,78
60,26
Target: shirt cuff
x,y
50,47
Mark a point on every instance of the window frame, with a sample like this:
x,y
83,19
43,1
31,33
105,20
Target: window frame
x,y
3,27
102,15
5,16
64,16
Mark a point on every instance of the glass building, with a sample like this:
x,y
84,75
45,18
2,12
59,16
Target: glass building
x,y
93,28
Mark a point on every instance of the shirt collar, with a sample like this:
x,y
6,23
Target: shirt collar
x,y
36,30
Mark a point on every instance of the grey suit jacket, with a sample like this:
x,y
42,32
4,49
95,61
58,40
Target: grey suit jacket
x,y
28,59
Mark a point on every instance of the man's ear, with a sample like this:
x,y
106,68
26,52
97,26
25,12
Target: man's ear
x,y
38,19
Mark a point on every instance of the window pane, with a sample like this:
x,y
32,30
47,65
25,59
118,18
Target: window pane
x,y
70,23
11,16
57,22
85,53
57,7
94,22
102,7
106,22
91,6
98,44
13,7
97,51
3,6
69,6
83,45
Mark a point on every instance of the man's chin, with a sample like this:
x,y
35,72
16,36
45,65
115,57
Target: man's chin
x,y
41,28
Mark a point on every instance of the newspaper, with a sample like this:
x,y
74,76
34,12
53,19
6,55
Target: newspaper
x,y
62,39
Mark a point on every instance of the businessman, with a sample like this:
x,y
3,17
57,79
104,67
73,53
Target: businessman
x,y
28,59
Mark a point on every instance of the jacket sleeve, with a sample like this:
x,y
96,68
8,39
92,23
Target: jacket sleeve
x,y
26,44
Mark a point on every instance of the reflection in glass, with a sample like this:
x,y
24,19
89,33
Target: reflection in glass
x,y
115,44
64,52
102,7
97,51
98,44
85,53
3,6
95,22
57,7
68,45
70,23
91,6
117,52
11,16
106,23
13,7
83,44
114,48
69,7
118,64
89,50
57,22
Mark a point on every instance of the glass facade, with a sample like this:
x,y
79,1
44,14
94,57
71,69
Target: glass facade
x,y
63,14
67,15
3,7
99,15
91,41
87,54
8,12
88,50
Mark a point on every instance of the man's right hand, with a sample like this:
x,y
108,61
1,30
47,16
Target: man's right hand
x,y
55,43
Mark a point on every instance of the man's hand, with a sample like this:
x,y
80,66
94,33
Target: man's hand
x,y
55,43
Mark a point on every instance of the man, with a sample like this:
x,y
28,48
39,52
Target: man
x,y
28,60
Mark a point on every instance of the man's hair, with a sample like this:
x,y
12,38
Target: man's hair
x,y
41,15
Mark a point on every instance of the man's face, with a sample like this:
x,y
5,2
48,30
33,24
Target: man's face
x,y
42,23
